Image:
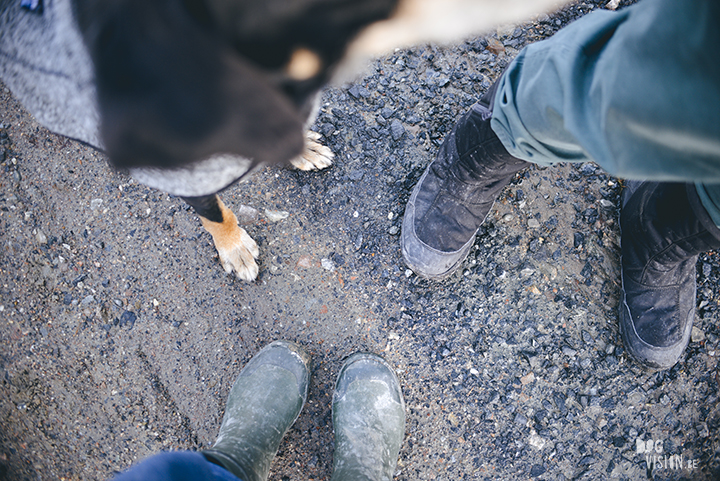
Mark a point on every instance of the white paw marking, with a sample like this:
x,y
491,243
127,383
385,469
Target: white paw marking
x,y
316,156
238,256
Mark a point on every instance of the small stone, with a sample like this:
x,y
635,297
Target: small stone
x,y
87,300
95,204
578,240
536,441
40,237
606,204
533,223
495,46
394,230
276,215
246,214
697,334
358,91
569,351
520,419
396,129
304,261
706,269
127,318
327,264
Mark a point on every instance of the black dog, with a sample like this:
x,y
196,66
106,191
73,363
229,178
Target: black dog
x,y
189,96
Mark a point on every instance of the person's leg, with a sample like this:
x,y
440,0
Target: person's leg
x,y
264,402
176,466
368,419
636,91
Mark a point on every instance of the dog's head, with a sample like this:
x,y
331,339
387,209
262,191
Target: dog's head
x,y
181,80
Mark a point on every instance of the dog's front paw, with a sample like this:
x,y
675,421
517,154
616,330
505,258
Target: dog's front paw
x,y
316,156
237,250
237,255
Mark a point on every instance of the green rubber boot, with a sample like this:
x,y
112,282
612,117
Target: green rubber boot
x,y
264,402
369,420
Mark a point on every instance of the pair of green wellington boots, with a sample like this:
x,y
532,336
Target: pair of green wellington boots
x,y
368,415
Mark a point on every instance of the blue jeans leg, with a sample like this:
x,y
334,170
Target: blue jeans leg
x,y
177,466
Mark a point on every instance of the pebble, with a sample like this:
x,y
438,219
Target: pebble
x,y
520,419
327,264
276,215
358,91
41,238
606,204
396,129
536,441
569,351
246,214
578,240
697,334
127,318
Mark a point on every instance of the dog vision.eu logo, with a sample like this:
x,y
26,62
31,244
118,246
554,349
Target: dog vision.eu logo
x,y
656,458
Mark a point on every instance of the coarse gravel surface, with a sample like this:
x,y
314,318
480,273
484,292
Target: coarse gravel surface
x,y
121,335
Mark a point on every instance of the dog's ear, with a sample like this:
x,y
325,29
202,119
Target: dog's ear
x,y
170,93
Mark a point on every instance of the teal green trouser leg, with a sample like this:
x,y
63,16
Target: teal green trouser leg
x,y
637,91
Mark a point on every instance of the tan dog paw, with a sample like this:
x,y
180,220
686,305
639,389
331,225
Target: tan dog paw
x,y
236,249
316,156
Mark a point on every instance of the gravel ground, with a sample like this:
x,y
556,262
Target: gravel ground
x,y
121,335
